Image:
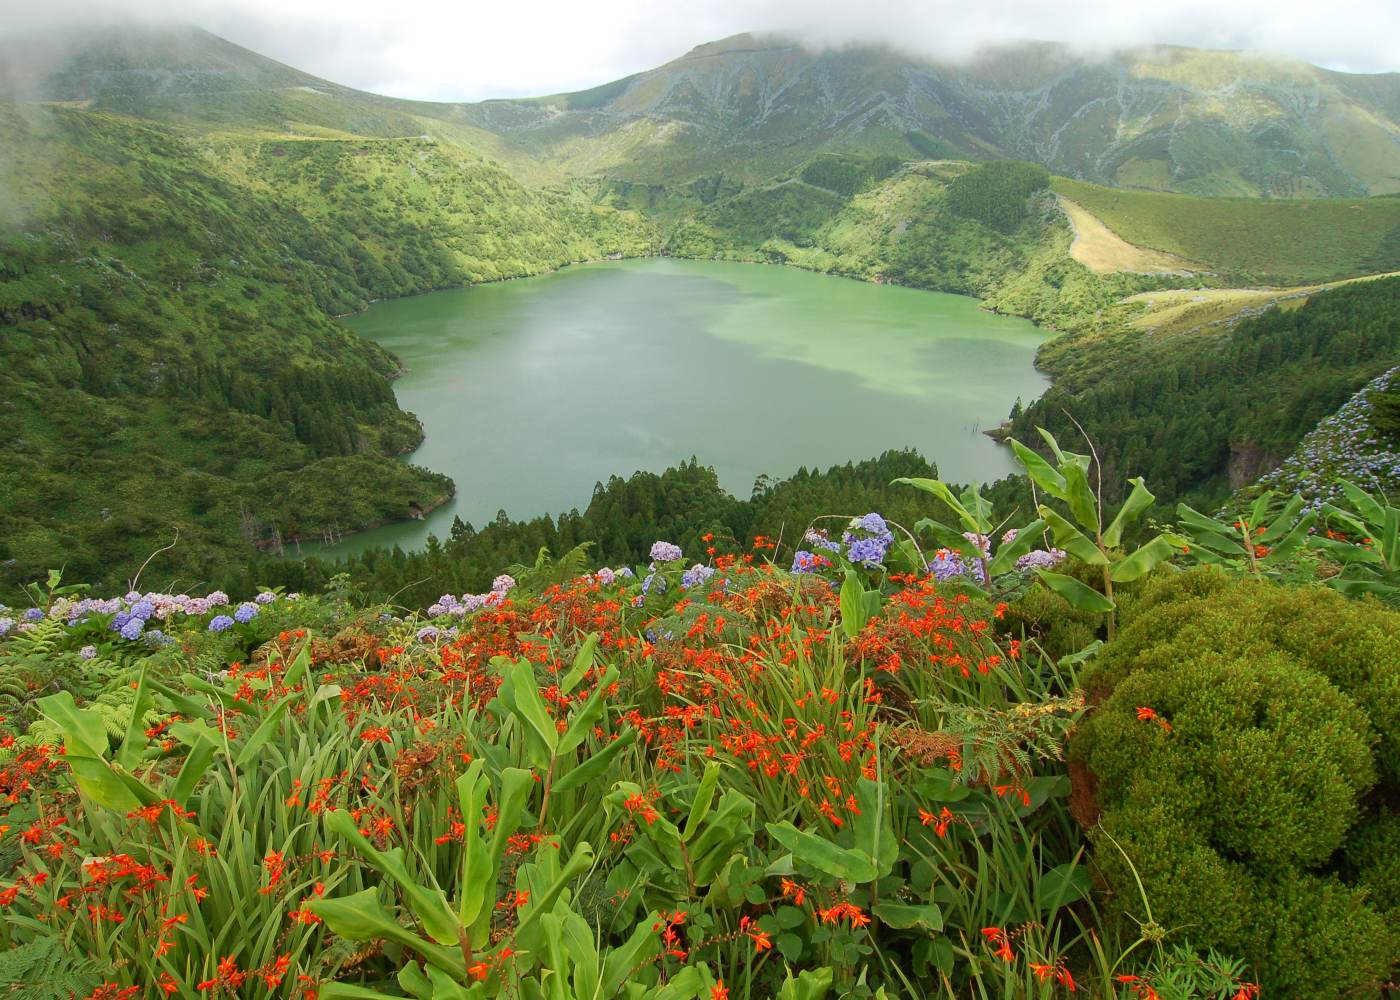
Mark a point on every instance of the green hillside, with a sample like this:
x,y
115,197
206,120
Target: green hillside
x,y
168,360
1265,241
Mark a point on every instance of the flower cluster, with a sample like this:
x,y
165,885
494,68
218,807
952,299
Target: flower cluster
x,y
1345,445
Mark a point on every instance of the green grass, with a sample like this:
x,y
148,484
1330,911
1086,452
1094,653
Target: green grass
x,y
1248,240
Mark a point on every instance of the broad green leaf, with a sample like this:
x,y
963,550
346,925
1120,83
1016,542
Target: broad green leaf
x,y
583,662
1082,597
190,708
700,805
872,827
301,663
1363,502
529,706
979,507
478,870
621,961
948,538
265,731
852,604
902,916
412,978
1285,547
941,785
942,492
1080,497
1042,473
595,765
1060,886
516,786
1195,519
1259,510
1283,522
197,761
1138,501
584,718
134,742
1354,588
97,780
1026,539
345,991
1072,540
810,984
579,862
823,855
229,702
362,917
1142,561
1345,552
83,731
427,901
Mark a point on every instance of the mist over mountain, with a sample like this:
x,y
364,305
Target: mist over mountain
x,y
752,107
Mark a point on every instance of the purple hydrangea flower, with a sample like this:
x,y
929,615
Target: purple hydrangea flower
x,y
143,609
132,629
217,598
867,551
818,538
427,633
696,575
875,524
33,614
266,597
245,613
88,652
665,552
5,625
606,577
808,562
220,623
503,584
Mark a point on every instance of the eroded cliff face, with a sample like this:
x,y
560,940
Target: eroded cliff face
x,y
1248,461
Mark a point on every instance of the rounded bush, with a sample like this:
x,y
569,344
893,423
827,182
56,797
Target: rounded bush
x,y
1236,729
1268,758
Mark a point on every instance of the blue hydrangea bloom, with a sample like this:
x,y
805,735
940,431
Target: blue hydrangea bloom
x,y
33,614
807,562
875,524
5,625
88,652
665,552
220,623
867,551
245,613
696,575
143,609
132,629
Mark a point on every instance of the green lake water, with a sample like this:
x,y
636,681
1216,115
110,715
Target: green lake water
x,y
532,391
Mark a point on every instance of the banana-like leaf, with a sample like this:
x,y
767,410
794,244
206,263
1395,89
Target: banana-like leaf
x,y
1080,596
902,916
1290,543
1026,539
872,826
579,862
84,733
362,917
1143,560
948,538
1080,497
1072,540
135,740
1283,522
516,786
851,865
478,870
1139,500
1364,503
1042,473
942,492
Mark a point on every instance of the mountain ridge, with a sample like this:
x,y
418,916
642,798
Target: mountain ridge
x,y
1199,121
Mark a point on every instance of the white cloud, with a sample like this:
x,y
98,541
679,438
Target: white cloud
x,y
473,49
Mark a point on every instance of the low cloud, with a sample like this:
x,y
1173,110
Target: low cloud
x,y
449,50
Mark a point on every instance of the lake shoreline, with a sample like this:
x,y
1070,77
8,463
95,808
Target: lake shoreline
x,y
928,374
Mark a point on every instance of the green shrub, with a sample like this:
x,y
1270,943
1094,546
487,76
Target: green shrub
x,y
1238,727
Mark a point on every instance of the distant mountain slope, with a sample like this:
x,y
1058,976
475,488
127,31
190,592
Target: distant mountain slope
x,y
1162,118
752,108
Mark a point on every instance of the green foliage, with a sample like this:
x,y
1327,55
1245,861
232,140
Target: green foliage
x,y
1275,241
996,194
1199,412
1233,744
43,969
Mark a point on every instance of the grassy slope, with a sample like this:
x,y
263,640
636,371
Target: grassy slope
x,y
1276,242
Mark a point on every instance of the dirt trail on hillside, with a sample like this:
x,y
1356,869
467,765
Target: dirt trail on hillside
x,y
1102,250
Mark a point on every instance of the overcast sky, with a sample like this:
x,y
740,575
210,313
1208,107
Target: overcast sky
x,y
473,49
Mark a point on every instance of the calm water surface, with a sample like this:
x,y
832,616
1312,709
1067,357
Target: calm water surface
x,y
532,391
